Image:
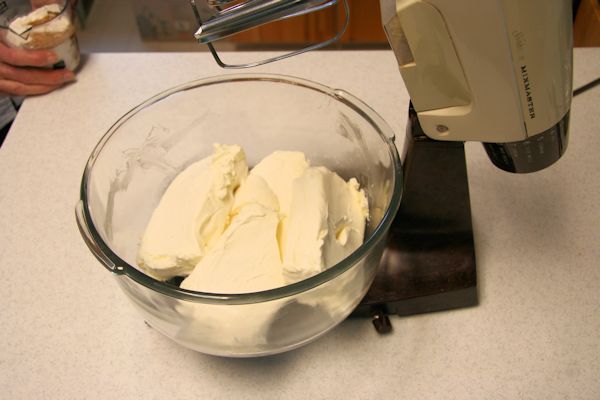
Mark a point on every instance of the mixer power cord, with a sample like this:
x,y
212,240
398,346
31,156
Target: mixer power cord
x,y
586,87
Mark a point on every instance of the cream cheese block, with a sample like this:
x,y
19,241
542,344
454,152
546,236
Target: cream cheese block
x,y
192,214
326,222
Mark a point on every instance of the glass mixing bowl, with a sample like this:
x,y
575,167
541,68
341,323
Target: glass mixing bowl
x,y
139,156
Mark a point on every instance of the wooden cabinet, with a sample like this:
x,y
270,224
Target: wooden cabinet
x,y
586,32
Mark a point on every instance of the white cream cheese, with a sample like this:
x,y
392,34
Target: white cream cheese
x,y
254,190
279,170
244,259
285,222
192,213
326,222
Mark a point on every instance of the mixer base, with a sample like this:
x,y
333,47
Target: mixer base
x,y
429,261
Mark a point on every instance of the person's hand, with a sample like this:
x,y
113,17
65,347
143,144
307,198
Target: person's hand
x,y
18,78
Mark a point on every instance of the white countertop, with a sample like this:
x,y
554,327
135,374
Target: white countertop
x,y
67,332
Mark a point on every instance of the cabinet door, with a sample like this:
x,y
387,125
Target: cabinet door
x,y
365,23
586,30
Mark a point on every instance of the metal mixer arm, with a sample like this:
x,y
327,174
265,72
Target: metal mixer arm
x,y
218,19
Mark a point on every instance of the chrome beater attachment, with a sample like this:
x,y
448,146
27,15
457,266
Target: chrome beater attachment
x,y
218,19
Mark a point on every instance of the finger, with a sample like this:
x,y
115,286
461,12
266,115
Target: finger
x,y
23,57
12,88
36,76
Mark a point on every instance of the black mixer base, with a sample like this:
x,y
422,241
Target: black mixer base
x,y
429,261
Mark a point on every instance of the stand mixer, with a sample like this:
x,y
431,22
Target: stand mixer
x,y
493,71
